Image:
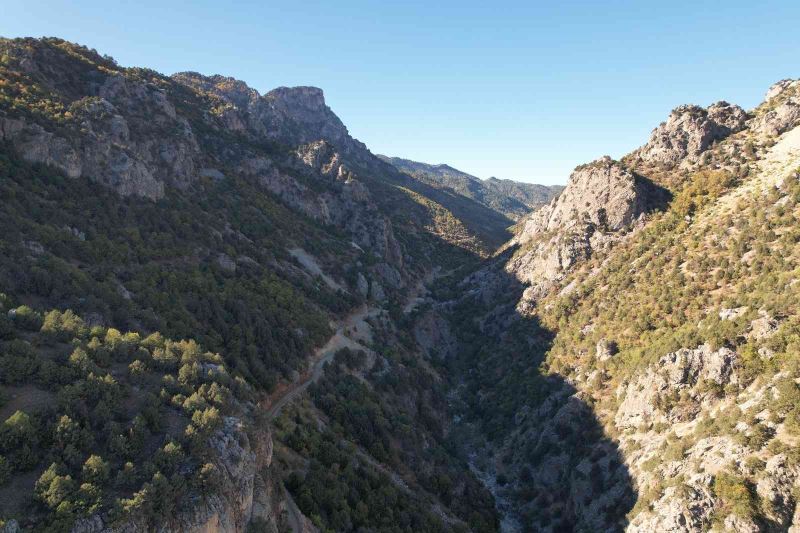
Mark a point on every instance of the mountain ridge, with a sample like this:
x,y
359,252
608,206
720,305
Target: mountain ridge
x,y
512,199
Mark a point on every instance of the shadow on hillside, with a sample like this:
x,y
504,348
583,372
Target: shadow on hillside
x,y
657,197
555,469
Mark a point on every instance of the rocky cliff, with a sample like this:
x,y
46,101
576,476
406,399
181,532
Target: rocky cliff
x,y
246,493
690,130
632,304
142,133
601,203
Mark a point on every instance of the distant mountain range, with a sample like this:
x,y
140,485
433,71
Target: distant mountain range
x,y
513,199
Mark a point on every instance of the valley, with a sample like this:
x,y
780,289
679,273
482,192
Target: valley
x,y
222,312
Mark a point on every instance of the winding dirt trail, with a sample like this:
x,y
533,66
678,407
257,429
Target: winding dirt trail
x,y
350,332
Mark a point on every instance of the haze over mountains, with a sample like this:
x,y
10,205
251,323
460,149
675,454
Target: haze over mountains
x,y
221,312
514,199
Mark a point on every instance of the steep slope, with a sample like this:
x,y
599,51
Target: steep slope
x,y
253,223
513,199
157,425
649,375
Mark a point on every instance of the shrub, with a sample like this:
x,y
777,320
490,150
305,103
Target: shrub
x,y
63,326
26,318
736,495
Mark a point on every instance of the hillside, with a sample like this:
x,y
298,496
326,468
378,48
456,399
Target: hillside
x,y
513,199
645,325
195,208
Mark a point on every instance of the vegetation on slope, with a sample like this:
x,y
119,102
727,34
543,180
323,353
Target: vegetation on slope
x,y
162,266
512,199
96,420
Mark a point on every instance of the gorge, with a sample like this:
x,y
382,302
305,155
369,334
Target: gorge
x,y
221,312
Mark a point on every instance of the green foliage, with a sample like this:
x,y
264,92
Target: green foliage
x,y
63,326
736,495
266,319
377,420
96,470
340,493
26,318
97,424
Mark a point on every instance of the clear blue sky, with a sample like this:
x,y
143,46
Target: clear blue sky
x,y
523,90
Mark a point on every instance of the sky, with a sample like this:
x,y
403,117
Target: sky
x,y
522,90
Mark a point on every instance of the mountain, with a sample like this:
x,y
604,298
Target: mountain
x,y
181,257
644,322
513,199
221,312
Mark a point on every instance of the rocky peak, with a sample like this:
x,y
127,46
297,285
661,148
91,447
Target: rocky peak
x,y
289,115
230,89
780,112
299,115
602,192
308,99
727,115
690,130
780,87
602,199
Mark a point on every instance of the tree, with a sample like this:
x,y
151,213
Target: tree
x,y
207,478
63,326
126,477
5,471
52,488
17,430
168,458
95,470
89,498
26,318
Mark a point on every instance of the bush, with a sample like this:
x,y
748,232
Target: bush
x,y
736,495
26,318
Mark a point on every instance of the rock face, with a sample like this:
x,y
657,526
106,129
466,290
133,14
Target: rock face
x,y
118,130
600,202
130,158
642,400
293,115
433,335
137,132
602,193
675,392
690,130
781,109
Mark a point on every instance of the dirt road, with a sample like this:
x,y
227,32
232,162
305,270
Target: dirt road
x,y
351,332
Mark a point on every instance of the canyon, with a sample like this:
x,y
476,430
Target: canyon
x,y
292,333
